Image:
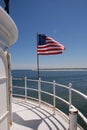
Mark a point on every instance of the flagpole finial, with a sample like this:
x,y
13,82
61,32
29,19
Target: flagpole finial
x,y
6,6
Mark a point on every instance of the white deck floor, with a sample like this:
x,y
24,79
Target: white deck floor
x,y
28,116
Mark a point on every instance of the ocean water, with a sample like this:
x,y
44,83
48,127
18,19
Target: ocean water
x,y
77,78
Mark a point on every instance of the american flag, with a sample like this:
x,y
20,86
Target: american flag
x,y
48,46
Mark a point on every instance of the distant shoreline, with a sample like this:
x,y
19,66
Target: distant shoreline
x,y
63,69
56,69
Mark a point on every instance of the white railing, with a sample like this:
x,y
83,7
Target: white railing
x,y
54,85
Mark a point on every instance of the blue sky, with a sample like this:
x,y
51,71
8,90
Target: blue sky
x,y
64,20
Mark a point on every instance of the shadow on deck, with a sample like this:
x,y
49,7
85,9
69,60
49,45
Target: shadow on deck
x,y
28,116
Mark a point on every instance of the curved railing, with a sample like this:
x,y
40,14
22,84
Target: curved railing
x,y
37,88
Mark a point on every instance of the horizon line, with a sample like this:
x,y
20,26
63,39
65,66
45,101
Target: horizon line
x,y
49,68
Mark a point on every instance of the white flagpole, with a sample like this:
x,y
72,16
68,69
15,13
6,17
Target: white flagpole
x,y
37,58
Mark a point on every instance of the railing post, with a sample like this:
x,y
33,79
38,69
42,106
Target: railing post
x,y
25,88
70,95
39,91
54,103
73,119
72,111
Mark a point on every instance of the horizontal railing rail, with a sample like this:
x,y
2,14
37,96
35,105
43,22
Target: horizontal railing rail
x,y
53,94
